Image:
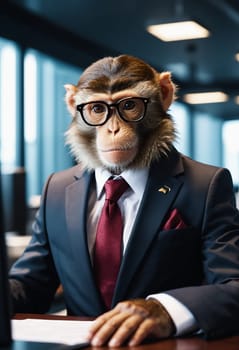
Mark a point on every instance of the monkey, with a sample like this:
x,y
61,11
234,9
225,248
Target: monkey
x,y
119,145
179,272
135,145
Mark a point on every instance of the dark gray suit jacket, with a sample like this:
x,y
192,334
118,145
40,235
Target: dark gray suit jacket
x,y
198,265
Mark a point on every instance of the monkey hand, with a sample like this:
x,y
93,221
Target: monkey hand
x,y
131,322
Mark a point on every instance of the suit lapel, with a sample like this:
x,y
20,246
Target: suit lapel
x,y
76,212
161,190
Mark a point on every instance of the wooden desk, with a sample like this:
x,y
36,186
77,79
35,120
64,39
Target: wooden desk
x,y
193,343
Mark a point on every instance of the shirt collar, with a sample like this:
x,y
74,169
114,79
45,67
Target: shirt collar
x,y
136,178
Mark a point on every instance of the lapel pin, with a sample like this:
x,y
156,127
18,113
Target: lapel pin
x,y
164,189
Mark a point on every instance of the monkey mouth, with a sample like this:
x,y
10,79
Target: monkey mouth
x,y
117,149
127,147
116,155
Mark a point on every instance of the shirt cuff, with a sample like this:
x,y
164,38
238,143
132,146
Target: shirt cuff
x,y
182,317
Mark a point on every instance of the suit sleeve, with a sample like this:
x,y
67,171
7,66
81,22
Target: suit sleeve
x,y
33,278
215,303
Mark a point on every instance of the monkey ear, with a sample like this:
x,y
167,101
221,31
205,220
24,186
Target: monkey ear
x,y
168,89
71,90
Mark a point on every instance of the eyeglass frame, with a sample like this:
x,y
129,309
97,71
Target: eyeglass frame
x,y
109,114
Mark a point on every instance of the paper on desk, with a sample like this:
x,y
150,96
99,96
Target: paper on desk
x,y
50,331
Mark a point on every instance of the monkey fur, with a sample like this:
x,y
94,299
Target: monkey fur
x,y
152,137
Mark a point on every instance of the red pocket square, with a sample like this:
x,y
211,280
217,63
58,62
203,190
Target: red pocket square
x,y
175,221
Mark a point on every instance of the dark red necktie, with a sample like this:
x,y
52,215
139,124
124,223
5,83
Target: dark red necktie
x,y
108,244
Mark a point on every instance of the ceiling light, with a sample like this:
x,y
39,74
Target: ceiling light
x,y
237,56
206,97
183,30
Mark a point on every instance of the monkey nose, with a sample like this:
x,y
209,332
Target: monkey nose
x,y
113,124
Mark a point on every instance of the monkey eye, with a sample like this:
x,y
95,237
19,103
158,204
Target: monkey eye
x,y
98,108
128,104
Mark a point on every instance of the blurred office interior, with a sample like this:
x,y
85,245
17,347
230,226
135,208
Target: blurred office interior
x,y
46,44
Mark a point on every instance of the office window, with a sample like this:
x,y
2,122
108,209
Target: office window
x,y
207,140
8,104
46,117
180,115
230,134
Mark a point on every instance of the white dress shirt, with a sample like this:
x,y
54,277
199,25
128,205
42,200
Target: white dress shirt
x,y
129,204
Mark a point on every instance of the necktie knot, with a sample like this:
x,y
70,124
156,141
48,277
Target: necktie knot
x,y
114,189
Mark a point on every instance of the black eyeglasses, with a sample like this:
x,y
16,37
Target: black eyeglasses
x,y
130,109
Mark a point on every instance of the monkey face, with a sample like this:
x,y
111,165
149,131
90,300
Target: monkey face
x,y
104,134
113,117
117,140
